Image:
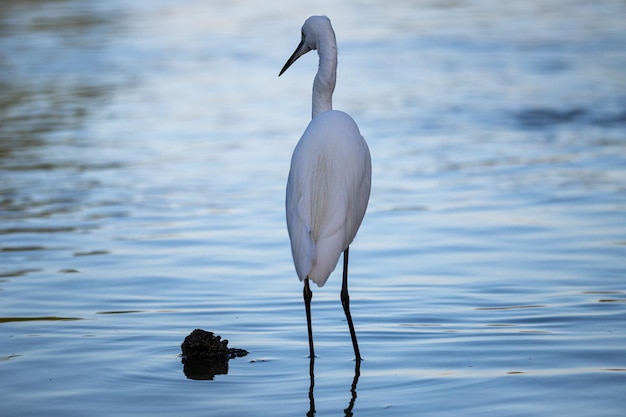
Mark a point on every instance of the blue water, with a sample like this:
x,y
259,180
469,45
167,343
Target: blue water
x,y
144,150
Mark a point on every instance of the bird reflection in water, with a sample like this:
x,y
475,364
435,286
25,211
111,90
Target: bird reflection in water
x,y
355,381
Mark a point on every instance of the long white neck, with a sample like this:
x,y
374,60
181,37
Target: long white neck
x,y
324,83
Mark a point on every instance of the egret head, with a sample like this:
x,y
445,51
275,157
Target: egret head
x,y
313,29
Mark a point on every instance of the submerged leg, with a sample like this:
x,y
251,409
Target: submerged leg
x,y
307,306
345,301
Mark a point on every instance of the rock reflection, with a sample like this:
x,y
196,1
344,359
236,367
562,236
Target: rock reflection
x,y
203,369
206,355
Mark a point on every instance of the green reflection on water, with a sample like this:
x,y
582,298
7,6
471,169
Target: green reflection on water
x,y
44,318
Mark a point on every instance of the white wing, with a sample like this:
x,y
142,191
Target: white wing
x,y
327,193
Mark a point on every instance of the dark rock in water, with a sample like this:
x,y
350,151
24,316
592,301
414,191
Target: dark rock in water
x,y
206,345
206,355
203,344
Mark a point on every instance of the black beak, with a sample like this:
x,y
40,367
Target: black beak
x,y
300,50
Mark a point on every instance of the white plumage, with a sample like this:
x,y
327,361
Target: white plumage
x,y
329,180
327,193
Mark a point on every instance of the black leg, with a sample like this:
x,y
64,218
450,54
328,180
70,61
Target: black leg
x,y
307,306
345,301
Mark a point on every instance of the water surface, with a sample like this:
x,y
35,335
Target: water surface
x,y
144,150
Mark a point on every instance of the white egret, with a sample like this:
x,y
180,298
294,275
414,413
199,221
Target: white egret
x,y
329,179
